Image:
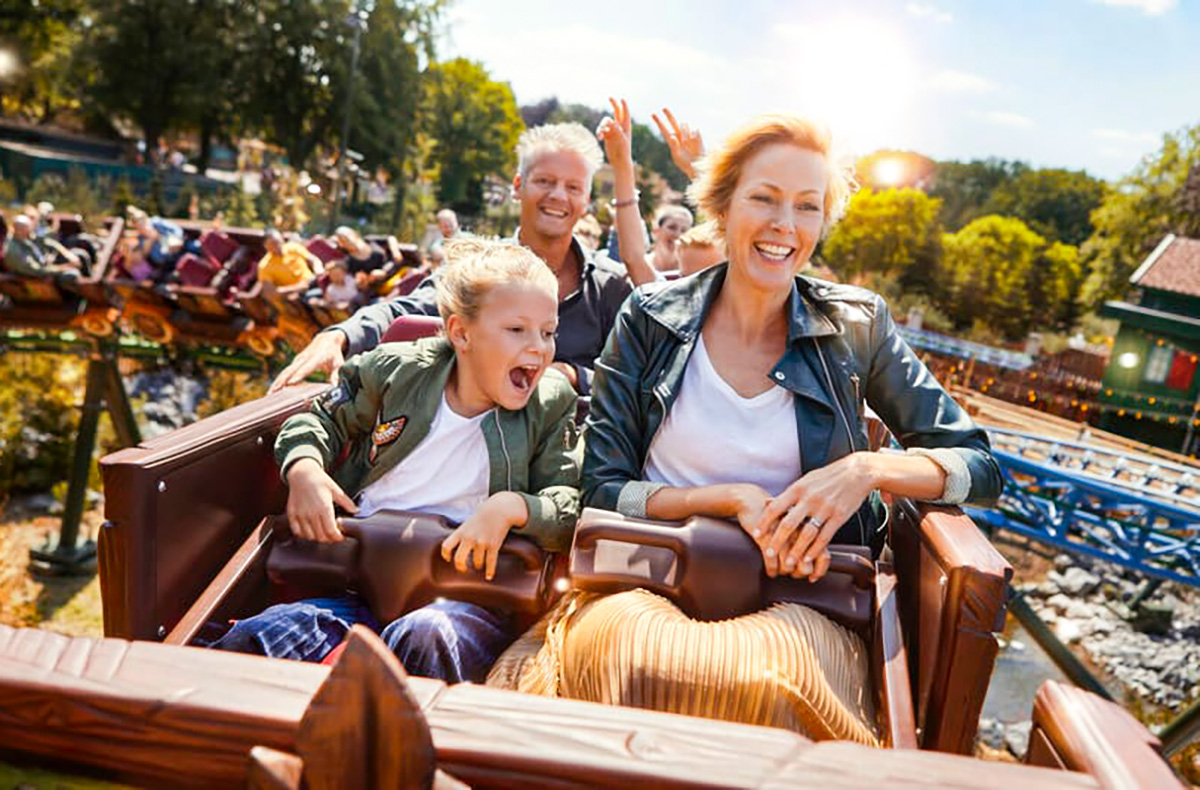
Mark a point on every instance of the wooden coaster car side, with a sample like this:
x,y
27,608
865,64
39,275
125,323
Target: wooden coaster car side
x,y
179,507
157,714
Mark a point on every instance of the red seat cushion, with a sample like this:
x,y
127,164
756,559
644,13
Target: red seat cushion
x,y
218,246
324,250
412,327
196,271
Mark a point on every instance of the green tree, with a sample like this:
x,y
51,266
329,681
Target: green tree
x,y
965,187
1055,203
1000,273
474,124
885,234
297,59
44,36
1136,214
151,62
389,99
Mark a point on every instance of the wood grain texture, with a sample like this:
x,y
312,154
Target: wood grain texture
x,y
1090,734
364,728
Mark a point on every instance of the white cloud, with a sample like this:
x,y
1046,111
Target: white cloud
x,y
1123,136
950,81
1001,118
1147,7
926,11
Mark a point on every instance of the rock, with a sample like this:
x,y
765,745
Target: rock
x,y
1078,581
1098,625
991,733
1068,631
1049,616
1064,561
1059,602
1153,617
1016,737
40,502
1080,610
1017,646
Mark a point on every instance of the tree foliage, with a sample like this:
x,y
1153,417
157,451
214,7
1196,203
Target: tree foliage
x,y
885,233
474,125
44,36
1000,273
965,187
1137,213
1055,203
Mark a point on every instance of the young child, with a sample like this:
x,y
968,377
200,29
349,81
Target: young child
x,y
471,426
341,288
700,248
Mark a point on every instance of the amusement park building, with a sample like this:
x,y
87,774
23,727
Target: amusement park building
x,y
1151,388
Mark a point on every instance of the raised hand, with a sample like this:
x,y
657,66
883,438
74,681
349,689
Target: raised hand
x,y
685,143
616,132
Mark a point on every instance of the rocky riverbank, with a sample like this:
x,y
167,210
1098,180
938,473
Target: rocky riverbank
x,y
1148,654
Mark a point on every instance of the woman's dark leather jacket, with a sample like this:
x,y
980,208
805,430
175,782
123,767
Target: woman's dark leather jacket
x,y
843,349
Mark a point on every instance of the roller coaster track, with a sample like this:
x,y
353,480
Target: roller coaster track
x,y
1132,510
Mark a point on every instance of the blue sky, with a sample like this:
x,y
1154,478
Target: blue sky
x,y
1083,84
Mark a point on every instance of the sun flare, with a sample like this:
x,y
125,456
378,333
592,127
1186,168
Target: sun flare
x,y
855,74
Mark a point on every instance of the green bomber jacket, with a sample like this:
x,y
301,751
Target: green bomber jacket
x,y
384,405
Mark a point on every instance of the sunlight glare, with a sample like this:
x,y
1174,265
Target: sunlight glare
x,y
855,74
889,172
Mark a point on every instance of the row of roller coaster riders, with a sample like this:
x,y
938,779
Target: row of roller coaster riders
x,y
352,272
739,392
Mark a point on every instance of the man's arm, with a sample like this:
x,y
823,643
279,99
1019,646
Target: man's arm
x,y
360,332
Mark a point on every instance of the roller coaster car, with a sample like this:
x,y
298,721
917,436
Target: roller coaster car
x,y
189,542
191,308
58,303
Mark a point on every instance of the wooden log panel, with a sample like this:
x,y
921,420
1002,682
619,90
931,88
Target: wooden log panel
x,y
952,593
1085,733
178,506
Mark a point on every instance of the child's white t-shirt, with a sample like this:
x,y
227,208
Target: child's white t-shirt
x,y
446,474
713,435
346,292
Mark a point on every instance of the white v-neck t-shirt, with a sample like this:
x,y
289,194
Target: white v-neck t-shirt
x,y
445,474
713,435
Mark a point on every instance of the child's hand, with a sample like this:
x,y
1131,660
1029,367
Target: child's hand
x,y
311,497
617,133
483,533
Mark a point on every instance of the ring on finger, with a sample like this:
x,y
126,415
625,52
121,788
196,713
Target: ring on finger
x,y
816,522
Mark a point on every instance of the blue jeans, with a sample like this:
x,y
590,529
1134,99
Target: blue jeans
x,y
447,640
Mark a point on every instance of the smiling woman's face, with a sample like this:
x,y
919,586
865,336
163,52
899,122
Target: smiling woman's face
x,y
775,215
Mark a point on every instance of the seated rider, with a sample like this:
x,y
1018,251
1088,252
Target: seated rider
x,y
739,393
469,426
32,257
158,246
555,165
286,263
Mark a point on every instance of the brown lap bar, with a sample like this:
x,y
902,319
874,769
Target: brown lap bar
x,y
160,714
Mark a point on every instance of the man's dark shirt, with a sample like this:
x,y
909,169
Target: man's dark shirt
x,y
584,318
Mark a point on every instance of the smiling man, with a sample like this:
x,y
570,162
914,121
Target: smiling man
x,y
553,184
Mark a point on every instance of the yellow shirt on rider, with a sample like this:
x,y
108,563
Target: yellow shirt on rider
x,y
288,268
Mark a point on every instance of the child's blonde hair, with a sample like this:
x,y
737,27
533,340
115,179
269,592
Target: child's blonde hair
x,y
474,266
702,236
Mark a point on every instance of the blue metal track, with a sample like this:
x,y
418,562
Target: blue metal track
x,y
1135,511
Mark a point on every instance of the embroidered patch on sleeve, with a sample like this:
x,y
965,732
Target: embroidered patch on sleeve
x,y
385,433
339,393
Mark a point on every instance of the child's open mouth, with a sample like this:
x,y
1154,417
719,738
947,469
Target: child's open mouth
x,y
522,377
